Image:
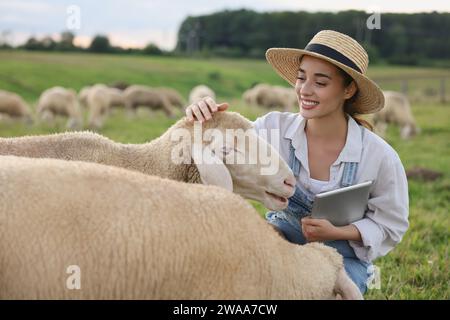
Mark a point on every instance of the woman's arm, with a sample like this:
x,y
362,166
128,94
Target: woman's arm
x,y
323,230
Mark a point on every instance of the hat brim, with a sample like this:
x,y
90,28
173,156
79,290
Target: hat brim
x,y
286,62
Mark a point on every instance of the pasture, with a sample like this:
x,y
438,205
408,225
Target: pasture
x,y
418,268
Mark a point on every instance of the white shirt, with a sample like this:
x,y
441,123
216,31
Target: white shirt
x,y
318,185
386,219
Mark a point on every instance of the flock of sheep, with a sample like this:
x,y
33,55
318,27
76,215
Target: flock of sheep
x,y
99,99
142,227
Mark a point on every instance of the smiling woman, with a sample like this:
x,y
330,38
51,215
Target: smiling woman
x,y
327,148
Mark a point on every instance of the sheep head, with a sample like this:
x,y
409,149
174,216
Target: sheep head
x,y
228,152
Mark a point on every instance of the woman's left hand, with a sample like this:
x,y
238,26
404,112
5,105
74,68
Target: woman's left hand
x,y
319,230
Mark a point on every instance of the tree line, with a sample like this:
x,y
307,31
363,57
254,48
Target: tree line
x,y
98,44
412,39
402,38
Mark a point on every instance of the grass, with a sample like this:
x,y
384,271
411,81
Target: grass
x,y
418,268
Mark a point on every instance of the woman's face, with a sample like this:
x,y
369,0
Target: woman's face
x,y
320,88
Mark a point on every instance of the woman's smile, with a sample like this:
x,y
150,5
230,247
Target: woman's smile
x,y
309,104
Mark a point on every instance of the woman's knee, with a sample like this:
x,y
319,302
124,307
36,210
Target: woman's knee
x,y
358,271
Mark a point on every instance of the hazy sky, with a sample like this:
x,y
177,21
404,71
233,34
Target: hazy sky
x,y
134,23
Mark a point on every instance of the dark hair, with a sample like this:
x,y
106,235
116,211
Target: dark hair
x,y
348,104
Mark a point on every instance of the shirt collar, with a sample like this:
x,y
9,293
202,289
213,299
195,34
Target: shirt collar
x,y
350,153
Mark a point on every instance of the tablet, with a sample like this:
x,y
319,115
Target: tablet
x,y
342,206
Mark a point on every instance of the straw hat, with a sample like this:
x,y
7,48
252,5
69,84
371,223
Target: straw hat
x,y
340,50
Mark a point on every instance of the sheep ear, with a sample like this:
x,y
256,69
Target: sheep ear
x,y
211,168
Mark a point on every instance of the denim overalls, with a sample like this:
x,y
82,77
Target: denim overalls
x,y
300,205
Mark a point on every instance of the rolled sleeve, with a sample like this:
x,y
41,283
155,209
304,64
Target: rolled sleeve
x,y
386,219
372,236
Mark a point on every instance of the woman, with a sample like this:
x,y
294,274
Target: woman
x,y
328,147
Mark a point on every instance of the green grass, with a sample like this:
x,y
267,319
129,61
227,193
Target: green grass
x,y
418,268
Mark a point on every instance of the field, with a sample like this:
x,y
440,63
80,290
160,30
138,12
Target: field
x,y
418,268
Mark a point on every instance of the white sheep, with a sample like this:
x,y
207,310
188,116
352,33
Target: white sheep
x,y
12,105
161,156
397,111
199,92
100,99
139,95
174,97
60,101
117,234
82,96
269,96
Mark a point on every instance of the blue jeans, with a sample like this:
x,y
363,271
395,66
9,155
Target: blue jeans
x,y
356,269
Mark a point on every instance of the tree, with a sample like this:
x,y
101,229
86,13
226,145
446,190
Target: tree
x,y
152,49
100,43
66,42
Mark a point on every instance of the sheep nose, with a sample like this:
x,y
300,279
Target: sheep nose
x,y
290,181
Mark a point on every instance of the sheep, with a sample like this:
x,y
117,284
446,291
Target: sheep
x,y
139,95
60,101
397,110
269,96
100,99
121,85
116,234
265,177
12,105
288,97
82,96
199,92
172,95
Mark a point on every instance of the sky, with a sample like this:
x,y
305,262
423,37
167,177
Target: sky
x,y
135,23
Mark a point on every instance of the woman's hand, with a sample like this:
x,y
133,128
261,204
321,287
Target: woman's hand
x,y
323,230
202,110
319,230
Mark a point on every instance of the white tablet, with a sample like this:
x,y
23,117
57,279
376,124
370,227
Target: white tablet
x,y
342,206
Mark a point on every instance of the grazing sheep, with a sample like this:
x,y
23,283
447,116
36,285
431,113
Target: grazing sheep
x,y
117,234
173,96
268,96
82,96
121,85
397,111
100,100
169,156
288,98
199,92
138,95
60,101
14,106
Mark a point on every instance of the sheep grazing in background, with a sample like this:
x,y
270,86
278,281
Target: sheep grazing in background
x,y
60,101
121,85
100,99
82,96
13,106
397,111
199,92
173,96
268,96
139,95
288,97
126,235
157,156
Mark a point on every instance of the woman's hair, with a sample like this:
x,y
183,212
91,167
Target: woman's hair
x,y
348,104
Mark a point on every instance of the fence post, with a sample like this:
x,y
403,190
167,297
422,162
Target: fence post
x,y
442,91
405,87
